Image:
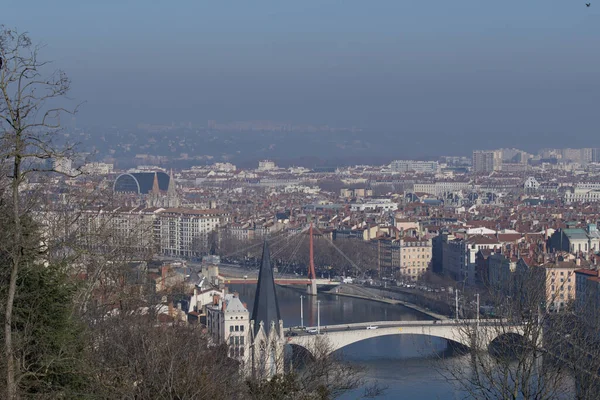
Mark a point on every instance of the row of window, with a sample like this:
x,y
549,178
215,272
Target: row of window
x,y
236,328
236,340
236,352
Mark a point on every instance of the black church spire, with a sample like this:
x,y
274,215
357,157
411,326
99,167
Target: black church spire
x,y
266,307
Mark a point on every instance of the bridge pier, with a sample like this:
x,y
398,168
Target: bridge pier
x,y
311,289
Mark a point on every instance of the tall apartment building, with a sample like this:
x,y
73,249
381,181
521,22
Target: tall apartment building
x,y
486,161
132,229
408,258
415,257
417,166
183,230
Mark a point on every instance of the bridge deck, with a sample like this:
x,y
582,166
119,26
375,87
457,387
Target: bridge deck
x,y
343,335
282,281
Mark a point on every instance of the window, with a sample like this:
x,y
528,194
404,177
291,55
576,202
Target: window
x,y
237,328
241,340
237,340
241,352
241,328
231,340
231,328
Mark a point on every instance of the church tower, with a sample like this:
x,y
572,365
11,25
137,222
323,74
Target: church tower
x,y
154,197
266,327
172,197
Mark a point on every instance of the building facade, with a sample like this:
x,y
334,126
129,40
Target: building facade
x,y
228,321
486,161
183,231
416,166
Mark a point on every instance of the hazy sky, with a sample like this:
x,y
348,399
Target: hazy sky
x,y
452,67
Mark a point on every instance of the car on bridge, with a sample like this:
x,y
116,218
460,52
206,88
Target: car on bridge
x,y
313,330
372,327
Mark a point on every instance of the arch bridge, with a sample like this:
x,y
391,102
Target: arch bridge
x,y
461,331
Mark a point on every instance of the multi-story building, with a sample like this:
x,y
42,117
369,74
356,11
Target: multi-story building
x,y
184,231
441,187
460,257
63,165
575,240
561,283
266,165
416,166
500,272
587,295
486,161
578,195
228,321
97,168
415,257
134,229
406,258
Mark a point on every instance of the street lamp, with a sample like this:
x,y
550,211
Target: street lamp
x,y
318,317
477,295
456,302
301,312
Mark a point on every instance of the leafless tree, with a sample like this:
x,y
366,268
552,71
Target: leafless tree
x,y
29,119
314,373
527,351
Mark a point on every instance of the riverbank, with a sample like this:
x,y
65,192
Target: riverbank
x,y
350,290
359,292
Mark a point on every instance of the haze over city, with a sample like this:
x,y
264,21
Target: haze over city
x,y
300,200
464,74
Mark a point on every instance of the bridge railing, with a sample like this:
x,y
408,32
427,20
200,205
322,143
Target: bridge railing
x,y
482,322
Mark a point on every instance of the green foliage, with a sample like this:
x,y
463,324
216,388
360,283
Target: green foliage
x,y
48,339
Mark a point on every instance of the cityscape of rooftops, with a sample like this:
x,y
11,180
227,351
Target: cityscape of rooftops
x,y
311,200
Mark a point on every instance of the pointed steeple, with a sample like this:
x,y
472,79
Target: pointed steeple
x,y
171,187
155,188
266,306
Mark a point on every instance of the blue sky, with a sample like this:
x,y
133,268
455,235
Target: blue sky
x,y
417,66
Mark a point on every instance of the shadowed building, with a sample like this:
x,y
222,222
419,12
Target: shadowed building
x,y
157,188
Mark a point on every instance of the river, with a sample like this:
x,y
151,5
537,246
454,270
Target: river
x,y
408,365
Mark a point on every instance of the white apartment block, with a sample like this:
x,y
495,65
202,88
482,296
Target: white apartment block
x,y
129,228
416,166
375,204
439,188
266,165
181,229
582,196
97,168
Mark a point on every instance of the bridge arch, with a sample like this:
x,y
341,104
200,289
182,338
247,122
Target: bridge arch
x,y
341,336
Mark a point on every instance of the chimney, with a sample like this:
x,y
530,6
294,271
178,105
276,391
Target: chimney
x,y
215,299
578,262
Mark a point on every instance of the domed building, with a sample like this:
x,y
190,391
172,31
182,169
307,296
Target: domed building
x,y
157,188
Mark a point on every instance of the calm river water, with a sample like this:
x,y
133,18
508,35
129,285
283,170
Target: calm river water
x,y
408,365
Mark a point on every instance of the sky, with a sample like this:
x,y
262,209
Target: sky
x,y
466,69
